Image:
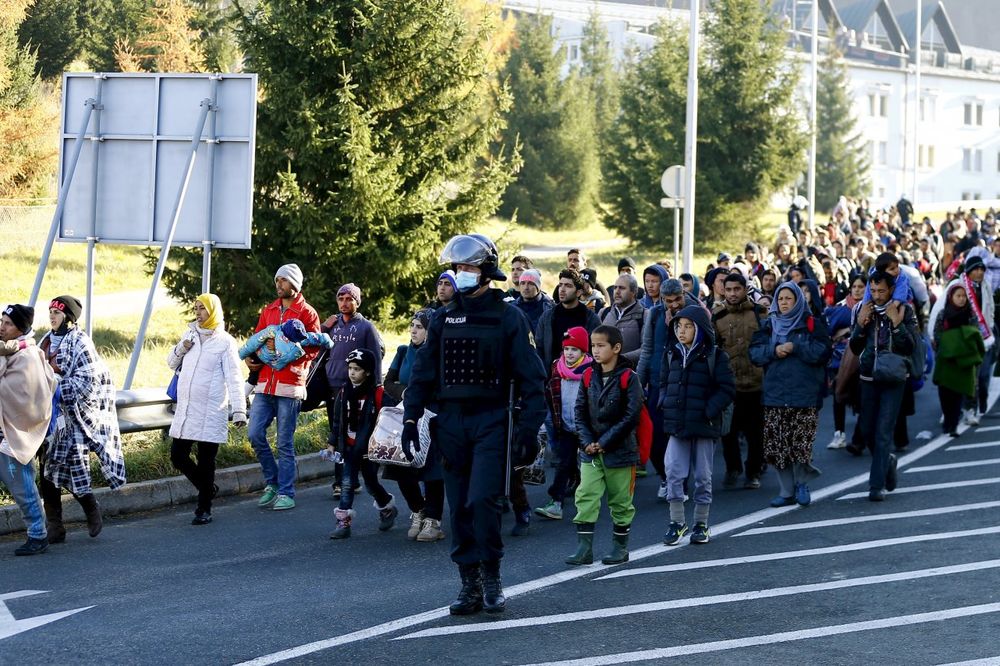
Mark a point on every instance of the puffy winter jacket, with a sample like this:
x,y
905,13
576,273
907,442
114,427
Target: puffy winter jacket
x,y
798,380
210,383
656,335
289,382
734,328
609,416
691,398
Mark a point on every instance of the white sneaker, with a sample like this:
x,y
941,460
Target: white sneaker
x,y
839,441
661,493
971,418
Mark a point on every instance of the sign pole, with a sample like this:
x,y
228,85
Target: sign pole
x,y
691,138
814,86
213,141
677,235
207,104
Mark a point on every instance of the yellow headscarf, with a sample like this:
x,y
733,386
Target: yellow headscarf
x,y
214,307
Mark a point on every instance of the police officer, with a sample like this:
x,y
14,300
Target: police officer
x,y
477,364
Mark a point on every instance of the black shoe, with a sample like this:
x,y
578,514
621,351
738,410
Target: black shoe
x,y
674,533
493,598
700,533
470,597
953,433
522,524
891,476
337,491
876,495
202,519
855,451
32,547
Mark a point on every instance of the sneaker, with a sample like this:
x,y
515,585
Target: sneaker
x,y
891,476
782,501
430,531
337,491
551,510
661,493
674,533
522,522
202,518
416,524
839,441
732,478
802,496
269,496
700,533
971,418
876,495
32,547
753,483
283,503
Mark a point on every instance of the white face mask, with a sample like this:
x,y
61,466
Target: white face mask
x,y
466,281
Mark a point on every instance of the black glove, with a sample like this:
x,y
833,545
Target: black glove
x,y
410,439
524,448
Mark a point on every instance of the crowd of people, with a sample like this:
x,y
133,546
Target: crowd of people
x,y
865,309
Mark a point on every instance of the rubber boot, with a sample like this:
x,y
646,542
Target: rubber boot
x,y
493,598
93,512
470,597
52,498
619,546
344,518
585,545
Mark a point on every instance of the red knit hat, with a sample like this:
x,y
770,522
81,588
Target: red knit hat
x,y
577,337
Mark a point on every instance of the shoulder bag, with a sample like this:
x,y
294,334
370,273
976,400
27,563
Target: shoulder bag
x,y
385,447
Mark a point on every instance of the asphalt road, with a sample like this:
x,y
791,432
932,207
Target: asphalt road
x,y
852,583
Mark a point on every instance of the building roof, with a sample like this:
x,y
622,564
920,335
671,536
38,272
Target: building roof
x,y
857,14
932,11
976,22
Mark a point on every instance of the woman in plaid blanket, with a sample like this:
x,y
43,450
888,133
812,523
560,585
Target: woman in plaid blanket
x,y
85,420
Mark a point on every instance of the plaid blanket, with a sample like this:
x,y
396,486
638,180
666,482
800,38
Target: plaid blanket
x,y
88,420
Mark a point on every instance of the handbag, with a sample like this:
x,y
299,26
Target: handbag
x,y
385,447
889,368
847,374
172,386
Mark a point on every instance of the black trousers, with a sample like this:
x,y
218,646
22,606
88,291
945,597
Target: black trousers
x,y
748,418
201,474
658,450
473,446
431,501
951,407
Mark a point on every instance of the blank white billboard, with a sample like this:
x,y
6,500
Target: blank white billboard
x,y
130,169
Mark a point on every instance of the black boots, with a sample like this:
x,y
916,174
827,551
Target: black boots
x,y
493,599
52,498
93,512
470,598
619,546
585,545
32,547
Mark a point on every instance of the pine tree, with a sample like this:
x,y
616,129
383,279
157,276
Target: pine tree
x,y
108,25
597,70
53,31
166,40
841,159
372,150
552,118
28,117
750,137
647,138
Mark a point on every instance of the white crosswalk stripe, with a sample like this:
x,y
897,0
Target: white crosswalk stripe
x,y
960,465
930,487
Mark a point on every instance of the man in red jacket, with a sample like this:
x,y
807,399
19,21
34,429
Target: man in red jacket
x,y
279,393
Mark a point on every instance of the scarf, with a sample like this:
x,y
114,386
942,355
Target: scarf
x,y
981,323
214,307
353,397
572,372
782,325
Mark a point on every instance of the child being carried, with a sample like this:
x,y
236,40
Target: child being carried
x,y
287,342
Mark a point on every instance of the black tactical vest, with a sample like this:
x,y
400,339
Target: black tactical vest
x,y
472,355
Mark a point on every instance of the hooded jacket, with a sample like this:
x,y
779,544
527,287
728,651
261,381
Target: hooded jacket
x,y
654,269
691,398
734,328
656,335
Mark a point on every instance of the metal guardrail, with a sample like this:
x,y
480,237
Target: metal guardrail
x,y
144,409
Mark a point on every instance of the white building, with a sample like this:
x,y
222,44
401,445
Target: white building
x,y
956,148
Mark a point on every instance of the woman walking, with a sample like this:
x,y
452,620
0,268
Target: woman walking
x,y
960,350
793,347
427,507
209,385
85,420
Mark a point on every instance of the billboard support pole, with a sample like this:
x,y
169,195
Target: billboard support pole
x,y
207,243
90,103
207,104
92,236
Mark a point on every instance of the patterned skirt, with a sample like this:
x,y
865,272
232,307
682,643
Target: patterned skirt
x,y
789,433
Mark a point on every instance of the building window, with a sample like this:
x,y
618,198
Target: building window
x,y
998,161
971,196
878,105
925,157
972,160
927,109
974,114
978,160
574,53
883,153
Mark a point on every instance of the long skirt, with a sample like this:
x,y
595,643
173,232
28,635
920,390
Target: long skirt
x,y
789,433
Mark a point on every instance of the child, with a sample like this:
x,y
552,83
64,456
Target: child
x,y
354,413
561,392
888,263
697,386
288,341
607,416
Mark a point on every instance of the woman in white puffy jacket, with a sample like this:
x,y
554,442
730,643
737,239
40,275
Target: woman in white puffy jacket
x,y
209,385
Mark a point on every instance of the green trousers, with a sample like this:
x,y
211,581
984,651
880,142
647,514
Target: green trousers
x,y
595,480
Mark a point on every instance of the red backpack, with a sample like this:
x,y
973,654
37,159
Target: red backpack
x,y
644,431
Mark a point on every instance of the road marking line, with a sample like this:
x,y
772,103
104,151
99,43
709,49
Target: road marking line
x,y
869,519
988,661
693,602
11,626
782,637
988,428
966,447
808,552
634,556
931,486
973,463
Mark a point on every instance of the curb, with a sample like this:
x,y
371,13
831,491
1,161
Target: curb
x,y
171,491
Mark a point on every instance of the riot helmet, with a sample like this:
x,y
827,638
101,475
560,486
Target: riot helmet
x,y
475,250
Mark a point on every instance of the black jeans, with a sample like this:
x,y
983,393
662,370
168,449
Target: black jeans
x,y
200,474
880,404
748,418
569,464
951,407
431,501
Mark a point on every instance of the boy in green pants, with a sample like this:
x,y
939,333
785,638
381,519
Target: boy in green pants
x,y
608,408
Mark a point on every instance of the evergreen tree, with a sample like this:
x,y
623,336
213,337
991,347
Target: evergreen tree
x,y
552,118
841,159
370,152
109,24
28,118
750,137
647,138
165,41
53,31
597,69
